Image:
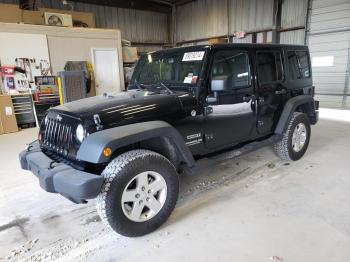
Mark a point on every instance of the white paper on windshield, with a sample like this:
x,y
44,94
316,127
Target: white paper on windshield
x,y
188,80
193,56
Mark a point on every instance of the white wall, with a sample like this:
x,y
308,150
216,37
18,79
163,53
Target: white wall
x,y
69,44
15,45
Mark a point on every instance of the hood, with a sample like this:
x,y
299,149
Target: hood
x,y
130,107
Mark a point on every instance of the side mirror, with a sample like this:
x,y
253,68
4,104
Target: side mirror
x,y
212,99
220,83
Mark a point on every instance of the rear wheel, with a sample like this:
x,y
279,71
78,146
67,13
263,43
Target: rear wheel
x,y
295,139
139,193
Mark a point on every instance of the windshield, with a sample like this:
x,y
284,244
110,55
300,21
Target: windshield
x,y
178,68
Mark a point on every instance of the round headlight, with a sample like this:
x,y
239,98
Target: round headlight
x,y
80,133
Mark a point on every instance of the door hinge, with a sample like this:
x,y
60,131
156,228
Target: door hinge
x,y
260,123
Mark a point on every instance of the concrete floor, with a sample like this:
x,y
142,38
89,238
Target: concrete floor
x,y
252,208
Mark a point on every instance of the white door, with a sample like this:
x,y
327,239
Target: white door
x,y
106,70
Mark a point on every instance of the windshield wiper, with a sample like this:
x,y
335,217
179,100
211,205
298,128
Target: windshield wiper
x,y
139,86
167,88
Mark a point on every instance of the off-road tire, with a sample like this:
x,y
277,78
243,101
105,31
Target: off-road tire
x,y
119,172
284,148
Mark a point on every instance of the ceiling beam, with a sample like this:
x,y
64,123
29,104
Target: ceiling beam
x,y
146,5
183,2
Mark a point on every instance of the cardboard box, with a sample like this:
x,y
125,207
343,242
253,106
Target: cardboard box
x,y
10,13
8,123
214,41
129,54
32,17
85,17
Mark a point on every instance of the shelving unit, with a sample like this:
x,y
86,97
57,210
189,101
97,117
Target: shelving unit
x,y
23,108
43,103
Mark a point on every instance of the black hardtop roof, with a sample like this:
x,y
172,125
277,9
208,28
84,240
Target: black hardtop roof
x,y
219,46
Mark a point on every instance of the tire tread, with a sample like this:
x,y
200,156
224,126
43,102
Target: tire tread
x,y
111,173
281,147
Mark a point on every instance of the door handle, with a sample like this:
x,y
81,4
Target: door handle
x,y
281,92
247,98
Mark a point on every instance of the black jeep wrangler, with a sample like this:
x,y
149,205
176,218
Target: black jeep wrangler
x,y
127,149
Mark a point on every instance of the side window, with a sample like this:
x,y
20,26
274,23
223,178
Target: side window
x,y
233,64
303,64
299,65
269,67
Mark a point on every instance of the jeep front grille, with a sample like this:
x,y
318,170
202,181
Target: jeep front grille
x,y
58,136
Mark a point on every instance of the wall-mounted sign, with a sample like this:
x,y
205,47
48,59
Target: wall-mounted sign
x,y
240,34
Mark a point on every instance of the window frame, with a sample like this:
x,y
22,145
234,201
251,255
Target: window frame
x,y
280,52
233,50
299,68
176,85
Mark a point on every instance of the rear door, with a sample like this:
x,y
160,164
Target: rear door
x,y
271,88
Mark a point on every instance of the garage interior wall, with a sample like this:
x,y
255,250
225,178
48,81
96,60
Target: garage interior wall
x,y
204,19
142,28
327,32
329,41
214,18
294,13
73,44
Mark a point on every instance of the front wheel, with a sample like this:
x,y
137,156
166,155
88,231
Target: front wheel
x,y
140,192
295,139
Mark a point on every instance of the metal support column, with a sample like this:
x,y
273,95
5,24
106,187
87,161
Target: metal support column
x,y
277,17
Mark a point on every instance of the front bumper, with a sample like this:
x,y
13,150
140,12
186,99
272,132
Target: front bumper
x,y
60,178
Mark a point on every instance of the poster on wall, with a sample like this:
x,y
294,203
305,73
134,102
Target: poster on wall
x,y
28,56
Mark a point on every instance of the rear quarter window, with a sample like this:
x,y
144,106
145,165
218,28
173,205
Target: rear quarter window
x,y
298,65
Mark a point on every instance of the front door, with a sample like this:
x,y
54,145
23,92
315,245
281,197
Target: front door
x,y
231,116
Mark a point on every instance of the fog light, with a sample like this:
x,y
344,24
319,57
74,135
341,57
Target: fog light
x,y
107,152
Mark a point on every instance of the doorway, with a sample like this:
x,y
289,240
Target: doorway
x,y
106,70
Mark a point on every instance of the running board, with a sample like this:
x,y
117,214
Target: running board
x,y
248,148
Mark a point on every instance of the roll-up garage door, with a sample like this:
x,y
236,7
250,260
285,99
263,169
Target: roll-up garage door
x,y
329,43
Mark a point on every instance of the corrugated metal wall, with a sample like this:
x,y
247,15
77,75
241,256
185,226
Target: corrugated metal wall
x,y
135,25
296,37
250,15
201,19
329,39
196,20
209,18
293,15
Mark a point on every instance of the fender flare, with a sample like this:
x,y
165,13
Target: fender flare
x,y
91,150
289,108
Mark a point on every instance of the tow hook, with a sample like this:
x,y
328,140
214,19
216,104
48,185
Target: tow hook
x,y
51,166
29,146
